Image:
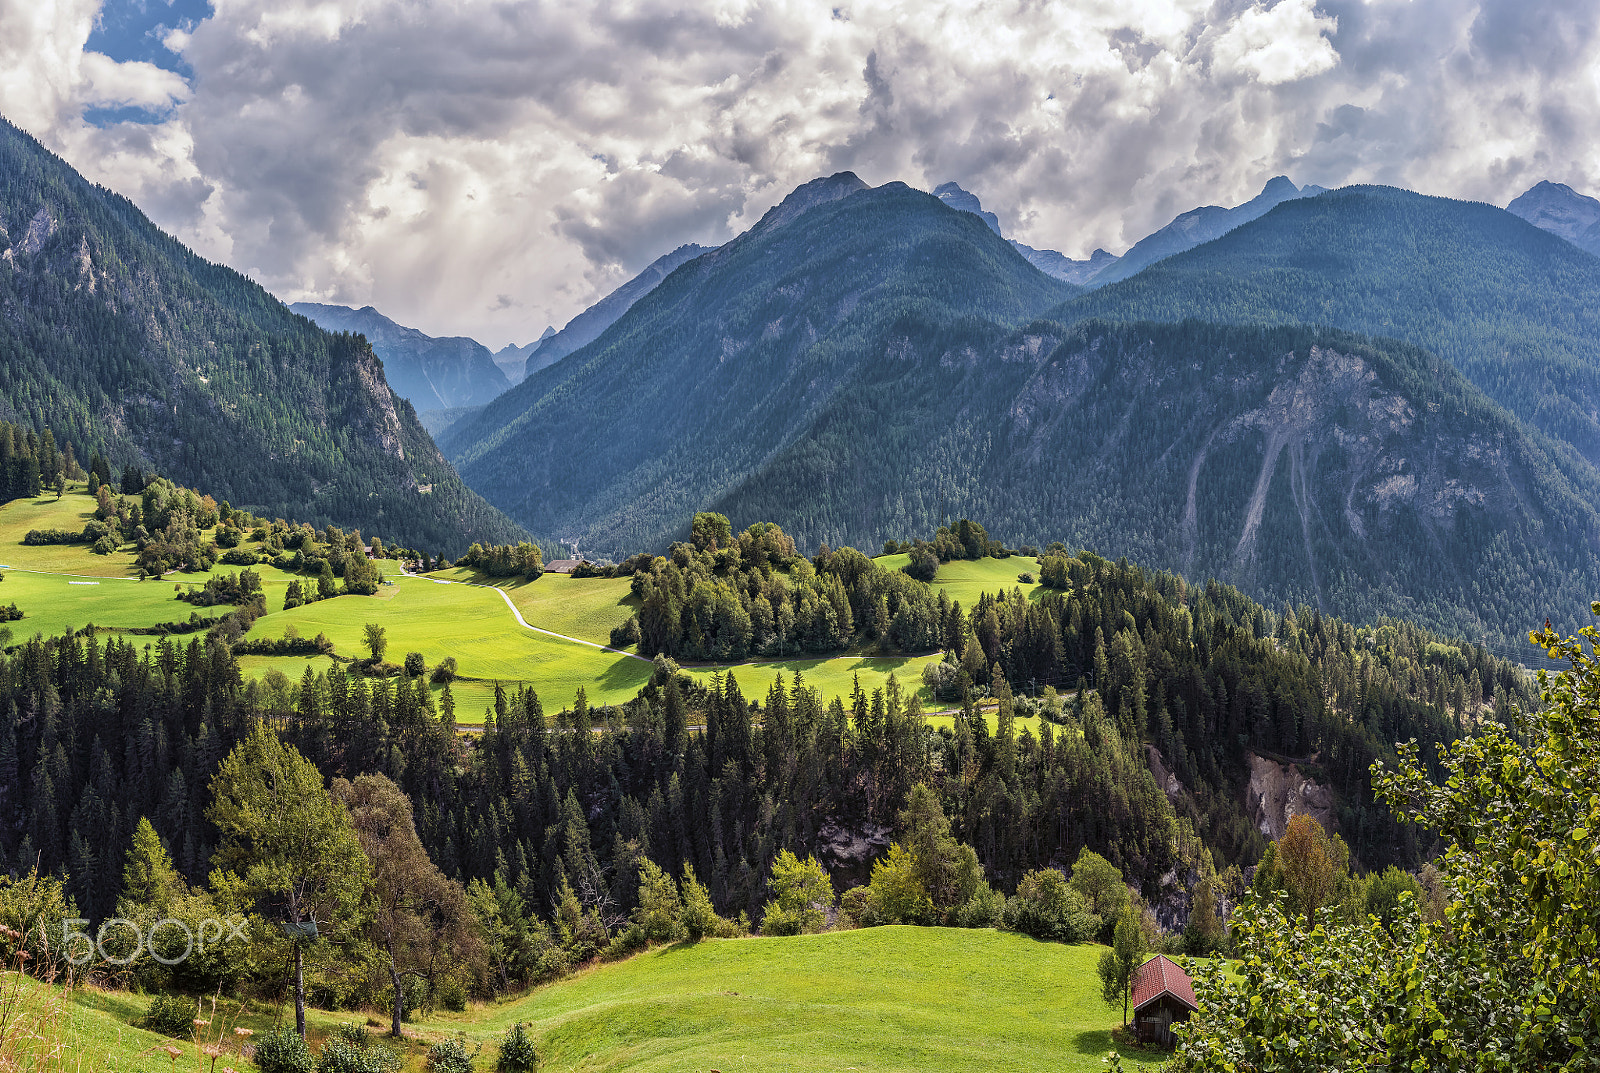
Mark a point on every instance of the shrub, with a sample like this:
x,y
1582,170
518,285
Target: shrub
x,y
452,994
1046,907
923,565
444,672
104,546
626,634
516,1052
984,909
342,1054
415,665
38,537
171,1015
1025,578
240,557
283,1051
451,1056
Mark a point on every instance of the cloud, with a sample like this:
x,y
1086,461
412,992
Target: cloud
x,y
1278,44
487,167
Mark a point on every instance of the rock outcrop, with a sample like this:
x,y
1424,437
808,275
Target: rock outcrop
x,y
1280,791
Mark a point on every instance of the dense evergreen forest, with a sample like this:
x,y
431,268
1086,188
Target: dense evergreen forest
x,y
98,733
127,344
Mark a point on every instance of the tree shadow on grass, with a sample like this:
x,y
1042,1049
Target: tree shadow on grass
x,y
1096,1043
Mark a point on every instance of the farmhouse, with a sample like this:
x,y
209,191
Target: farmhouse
x,y
561,566
1162,997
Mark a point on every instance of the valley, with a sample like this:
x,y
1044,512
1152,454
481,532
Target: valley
x,y
857,639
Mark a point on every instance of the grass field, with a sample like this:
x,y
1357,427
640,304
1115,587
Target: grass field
x,y
91,1030
466,620
879,999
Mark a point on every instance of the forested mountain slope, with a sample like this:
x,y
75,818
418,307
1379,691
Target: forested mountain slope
x,y
433,373
1361,477
120,339
1514,308
586,327
729,360
851,375
1189,229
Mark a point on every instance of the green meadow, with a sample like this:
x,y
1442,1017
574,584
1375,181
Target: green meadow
x,y
62,587
879,999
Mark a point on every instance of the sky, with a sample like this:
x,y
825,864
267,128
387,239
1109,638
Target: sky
x,y
486,168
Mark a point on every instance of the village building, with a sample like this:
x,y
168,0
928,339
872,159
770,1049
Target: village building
x,y
1162,997
561,566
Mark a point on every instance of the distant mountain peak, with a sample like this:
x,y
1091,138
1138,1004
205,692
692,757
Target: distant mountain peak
x,y
965,201
809,195
434,373
1200,225
1561,210
1279,186
1050,262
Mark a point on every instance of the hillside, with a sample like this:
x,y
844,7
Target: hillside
x,y
432,373
1365,478
880,999
851,999
121,340
1190,229
1515,308
1361,478
730,361
587,326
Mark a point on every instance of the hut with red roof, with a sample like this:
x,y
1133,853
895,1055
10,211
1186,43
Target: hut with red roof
x,y
1162,997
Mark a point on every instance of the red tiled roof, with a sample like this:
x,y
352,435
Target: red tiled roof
x,y
1160,976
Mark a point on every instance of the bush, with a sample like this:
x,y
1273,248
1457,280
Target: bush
x,y
171,1015
341,1055
283,1051
415,665
451,1056
38,537
984,909
1025,578
516,1052
1046,907
104,546
444,672
923,565
240,557
452,995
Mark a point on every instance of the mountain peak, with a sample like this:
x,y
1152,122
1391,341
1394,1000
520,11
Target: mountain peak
x,y
1280,186
966,201
1562,211
809,195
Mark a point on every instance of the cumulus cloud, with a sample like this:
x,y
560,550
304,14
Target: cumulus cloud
x,y
487,167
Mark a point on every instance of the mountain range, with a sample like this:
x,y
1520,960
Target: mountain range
x,y
866,363
1365,399
433,373
122,341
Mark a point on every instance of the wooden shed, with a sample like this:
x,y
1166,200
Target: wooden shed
x,y
561,566
1162,997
